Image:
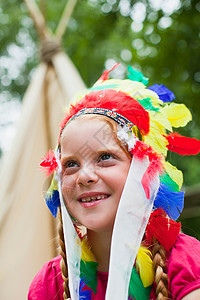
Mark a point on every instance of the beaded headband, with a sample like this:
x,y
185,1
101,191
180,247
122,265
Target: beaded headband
x,y
121,120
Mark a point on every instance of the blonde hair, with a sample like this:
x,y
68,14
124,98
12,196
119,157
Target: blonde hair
x,y
63,262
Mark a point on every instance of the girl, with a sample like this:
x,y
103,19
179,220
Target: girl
x,y
119,198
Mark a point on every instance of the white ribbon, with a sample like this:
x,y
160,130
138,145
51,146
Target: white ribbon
x,y
131,220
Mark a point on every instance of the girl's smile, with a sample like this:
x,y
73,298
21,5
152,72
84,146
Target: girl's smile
x,y
94,171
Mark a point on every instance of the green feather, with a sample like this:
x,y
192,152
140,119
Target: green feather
x,y
88,273
136,289
103,87
137,76
147,104
166,179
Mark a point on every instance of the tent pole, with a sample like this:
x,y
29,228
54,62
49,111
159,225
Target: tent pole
x,y
38,19
65,18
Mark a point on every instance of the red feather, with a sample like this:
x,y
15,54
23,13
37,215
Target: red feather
x,y
49,163
105,75
114,100
141,150
182,145
161,227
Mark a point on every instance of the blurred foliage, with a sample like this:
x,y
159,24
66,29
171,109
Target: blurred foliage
x,y
163,41
191,226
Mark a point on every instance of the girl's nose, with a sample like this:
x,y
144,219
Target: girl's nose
x,y
87,176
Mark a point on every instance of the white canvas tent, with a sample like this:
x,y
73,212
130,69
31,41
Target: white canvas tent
x,y
27,229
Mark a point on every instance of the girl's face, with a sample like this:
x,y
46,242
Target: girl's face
x,y
94,171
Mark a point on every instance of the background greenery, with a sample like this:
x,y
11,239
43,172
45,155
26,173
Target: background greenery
x,y
160,38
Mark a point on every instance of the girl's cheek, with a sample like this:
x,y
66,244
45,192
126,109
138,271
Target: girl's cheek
x,y
68,186
68,179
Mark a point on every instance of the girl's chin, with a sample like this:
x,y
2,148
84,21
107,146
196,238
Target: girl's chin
x,y
99,226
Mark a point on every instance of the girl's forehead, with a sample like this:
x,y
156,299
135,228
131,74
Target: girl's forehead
x,y
90,127
89,132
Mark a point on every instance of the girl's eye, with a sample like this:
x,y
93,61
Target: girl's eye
x,y
105,156
71,164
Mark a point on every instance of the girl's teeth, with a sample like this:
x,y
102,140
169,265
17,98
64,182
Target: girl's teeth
x,y
93,198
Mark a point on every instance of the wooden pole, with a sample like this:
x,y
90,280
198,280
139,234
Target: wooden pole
x,y
65,18
38,19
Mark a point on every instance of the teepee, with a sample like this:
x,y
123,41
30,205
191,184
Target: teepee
x,y
27,230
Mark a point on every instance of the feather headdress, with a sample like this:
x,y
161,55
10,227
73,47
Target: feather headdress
x,y
146,118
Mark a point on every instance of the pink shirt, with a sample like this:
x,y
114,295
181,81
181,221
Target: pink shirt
x,y
183,271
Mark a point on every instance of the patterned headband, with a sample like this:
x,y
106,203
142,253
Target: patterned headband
x,y
121,120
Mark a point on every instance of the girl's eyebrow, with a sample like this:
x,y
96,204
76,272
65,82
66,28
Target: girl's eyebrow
x,y
68,157
109,150
88,154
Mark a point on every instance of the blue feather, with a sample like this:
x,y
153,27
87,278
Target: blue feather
x,y
53,201
171,202
84,292
163,92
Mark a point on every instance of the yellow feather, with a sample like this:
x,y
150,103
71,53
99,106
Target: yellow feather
x,y
155,137
146,93
157,141
86,253
54,185
144,265
178,114
127,85
160,118
175,174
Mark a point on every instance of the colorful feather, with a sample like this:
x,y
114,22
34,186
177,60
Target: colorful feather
x,y
154,167
162,228
143,92
127,86
178,114
116,101
103,87
141,151
86,253
88,266
171,202
144,266
136,289
183,145
164,93
84,292
88,273
161,120
175,174
156,139
105,75
49,163
172,185
137,76
147,104
52,197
